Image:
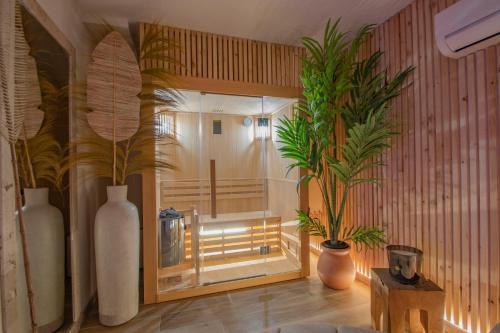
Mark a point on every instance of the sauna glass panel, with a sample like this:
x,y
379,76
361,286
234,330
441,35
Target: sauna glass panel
x,y
182,190
232,229
282,196
239,202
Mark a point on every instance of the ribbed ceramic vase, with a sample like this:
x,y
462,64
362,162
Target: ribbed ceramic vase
x,y
336,268
45,243
116,235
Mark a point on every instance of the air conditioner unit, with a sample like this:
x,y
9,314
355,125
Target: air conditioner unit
x,y
467,26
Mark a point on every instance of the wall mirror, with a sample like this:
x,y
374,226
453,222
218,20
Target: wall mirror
x,y
42,153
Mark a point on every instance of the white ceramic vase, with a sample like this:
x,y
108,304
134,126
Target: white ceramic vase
x,y
116,234
45,243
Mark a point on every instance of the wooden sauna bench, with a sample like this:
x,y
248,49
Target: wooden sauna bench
x,y
233,235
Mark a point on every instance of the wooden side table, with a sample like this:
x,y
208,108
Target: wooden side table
x,y
425,300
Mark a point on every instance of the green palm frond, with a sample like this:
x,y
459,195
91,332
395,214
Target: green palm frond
x,y
364,143
371,90
369,237
311,225
295,142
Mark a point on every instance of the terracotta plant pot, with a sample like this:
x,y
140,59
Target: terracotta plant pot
x,y
335,267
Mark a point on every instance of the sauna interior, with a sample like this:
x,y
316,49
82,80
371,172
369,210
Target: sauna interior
x,y
227,183
222,166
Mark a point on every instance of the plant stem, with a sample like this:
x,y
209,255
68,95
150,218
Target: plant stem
x,y
21,164
333,184
324,191
342,205
114,113
22,231
28,159
125,160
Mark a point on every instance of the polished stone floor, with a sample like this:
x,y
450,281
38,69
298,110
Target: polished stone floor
x,y
250,310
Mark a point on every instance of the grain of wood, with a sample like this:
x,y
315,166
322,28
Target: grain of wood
x,y
441,179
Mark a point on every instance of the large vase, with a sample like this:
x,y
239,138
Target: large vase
x,y
335,267
116,235
44,229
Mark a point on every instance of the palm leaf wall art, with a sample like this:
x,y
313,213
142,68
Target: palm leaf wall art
x,y
43,151
113,87
28,99
16,70
130,156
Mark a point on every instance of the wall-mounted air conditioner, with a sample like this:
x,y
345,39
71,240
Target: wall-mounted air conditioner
x,y
467,26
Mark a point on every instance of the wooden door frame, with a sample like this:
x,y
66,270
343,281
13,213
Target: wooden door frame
x,y
150,205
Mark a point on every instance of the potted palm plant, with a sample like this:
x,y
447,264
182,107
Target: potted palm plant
x,y
339,88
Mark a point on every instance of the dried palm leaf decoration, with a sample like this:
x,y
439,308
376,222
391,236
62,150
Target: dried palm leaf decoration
x,y
14,67
133,155
28,99
113,87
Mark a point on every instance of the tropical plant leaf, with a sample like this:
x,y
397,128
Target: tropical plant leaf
x,y
371,90
364,143
295,142
369,237
311,225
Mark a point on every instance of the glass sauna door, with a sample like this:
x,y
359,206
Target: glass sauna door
x,y
232,187
234,233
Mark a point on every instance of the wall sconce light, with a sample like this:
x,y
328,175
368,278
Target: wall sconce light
x,y
263,128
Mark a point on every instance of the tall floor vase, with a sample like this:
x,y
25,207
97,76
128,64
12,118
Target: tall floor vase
x,y
45,243
116,234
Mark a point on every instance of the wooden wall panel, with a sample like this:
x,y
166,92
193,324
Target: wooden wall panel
x,y
440,179
238,157
202,55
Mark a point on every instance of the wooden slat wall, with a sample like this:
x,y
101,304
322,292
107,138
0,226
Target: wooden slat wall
x,y
441,186
217,57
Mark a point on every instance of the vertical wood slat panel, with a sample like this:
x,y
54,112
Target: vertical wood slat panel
x,y
218,57
209,55
441,186
188,53
204,51
215,61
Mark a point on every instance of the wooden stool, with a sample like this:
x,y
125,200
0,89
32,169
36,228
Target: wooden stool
x,y
393,299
